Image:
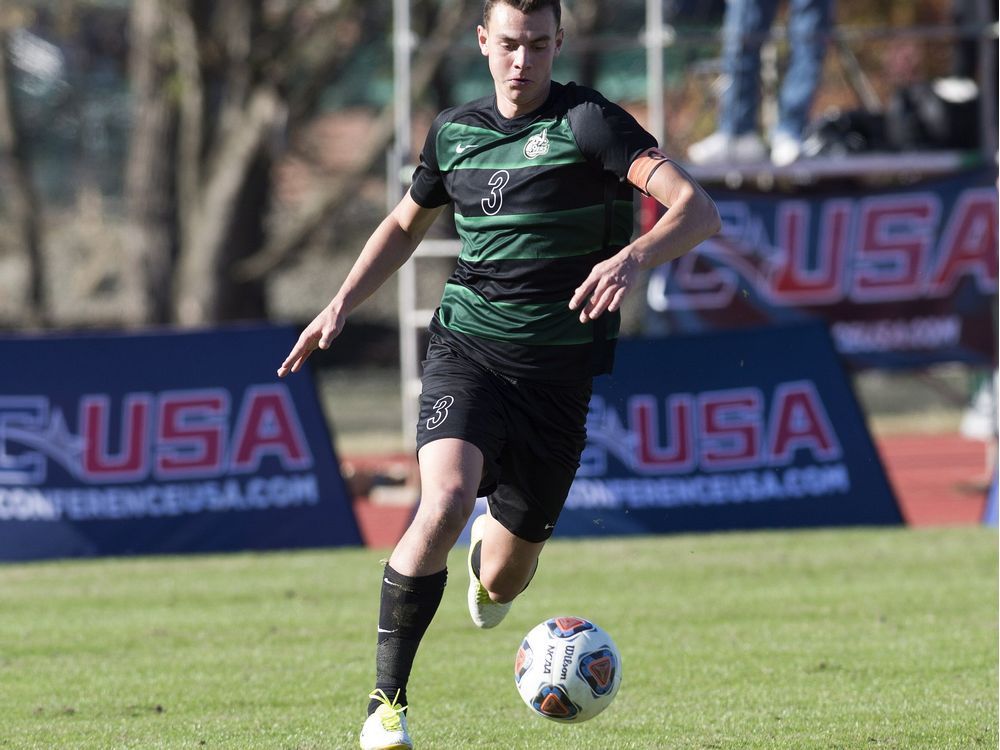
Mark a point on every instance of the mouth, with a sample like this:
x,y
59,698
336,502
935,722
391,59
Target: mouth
x,y
519,82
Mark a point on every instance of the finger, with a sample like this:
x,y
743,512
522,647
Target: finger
x,y
585,312
588,314
301,360
582,292
293,362
327,339
600,290
286,366
601,303
616,301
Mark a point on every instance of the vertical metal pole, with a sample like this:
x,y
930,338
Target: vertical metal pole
x,y
987,63
401,45
399,155
654,69
769,83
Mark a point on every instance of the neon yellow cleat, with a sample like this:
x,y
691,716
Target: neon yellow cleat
x,y
386,728
485,612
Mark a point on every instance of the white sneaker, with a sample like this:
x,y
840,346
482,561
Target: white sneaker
x,y
785,149
720,149
485,612
386,728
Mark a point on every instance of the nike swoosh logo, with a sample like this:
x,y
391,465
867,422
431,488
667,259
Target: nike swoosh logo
x,y
383,630
549,526
461,148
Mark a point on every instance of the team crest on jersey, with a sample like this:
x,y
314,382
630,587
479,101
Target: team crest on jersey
x,y
537,145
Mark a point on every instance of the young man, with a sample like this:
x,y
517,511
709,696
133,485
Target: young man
x,y
539,175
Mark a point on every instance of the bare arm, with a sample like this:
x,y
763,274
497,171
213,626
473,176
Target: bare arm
x,y
388,248
691,218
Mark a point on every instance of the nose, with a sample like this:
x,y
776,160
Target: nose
x,y
521,58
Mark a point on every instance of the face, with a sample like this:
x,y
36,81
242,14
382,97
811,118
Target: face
x,y
521,48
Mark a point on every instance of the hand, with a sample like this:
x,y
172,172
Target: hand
x,y
606,286
319,334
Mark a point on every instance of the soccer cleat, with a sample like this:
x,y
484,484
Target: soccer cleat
x,y
785,149
485,612
722,149
386,728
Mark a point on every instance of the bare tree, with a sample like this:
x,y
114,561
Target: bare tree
x,y
19,193
151,235
330,197
230,102
217,88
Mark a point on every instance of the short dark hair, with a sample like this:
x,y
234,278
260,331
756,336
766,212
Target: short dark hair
x,y
525,6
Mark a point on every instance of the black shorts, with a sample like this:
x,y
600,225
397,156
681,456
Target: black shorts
x,y
531,436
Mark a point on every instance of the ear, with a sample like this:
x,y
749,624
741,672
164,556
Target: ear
x,y
559,40
483,35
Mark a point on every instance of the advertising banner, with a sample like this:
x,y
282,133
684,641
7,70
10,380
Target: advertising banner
x,y
735,430
990,507
163,443
903,277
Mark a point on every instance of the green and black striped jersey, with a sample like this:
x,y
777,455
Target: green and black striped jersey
x,y
539,200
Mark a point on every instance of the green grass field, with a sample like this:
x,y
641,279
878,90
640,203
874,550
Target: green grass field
x,y
831,639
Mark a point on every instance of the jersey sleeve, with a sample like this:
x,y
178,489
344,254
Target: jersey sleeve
x,y
608,136
428,189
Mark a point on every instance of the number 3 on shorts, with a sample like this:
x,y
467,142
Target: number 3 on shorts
x,y
440,412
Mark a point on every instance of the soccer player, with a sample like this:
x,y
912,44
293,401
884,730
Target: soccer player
x,y
541,176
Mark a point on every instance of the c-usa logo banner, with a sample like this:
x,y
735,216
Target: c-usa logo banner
x,y
738,430
168,442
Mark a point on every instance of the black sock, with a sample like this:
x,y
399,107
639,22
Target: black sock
x,y
407,607
476,558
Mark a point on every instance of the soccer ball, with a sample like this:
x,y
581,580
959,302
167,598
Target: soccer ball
x,y
567,669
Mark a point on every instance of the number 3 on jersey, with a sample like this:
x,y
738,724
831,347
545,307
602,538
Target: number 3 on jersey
x,y
492,204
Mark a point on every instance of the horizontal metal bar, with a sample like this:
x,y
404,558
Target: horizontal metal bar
x,y
438,249
809,170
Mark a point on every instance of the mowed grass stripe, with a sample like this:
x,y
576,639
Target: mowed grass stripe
x,y
814,639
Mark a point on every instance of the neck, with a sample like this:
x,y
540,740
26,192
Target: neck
x,y
510,109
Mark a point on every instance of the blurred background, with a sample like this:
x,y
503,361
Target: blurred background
x,y
182,163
